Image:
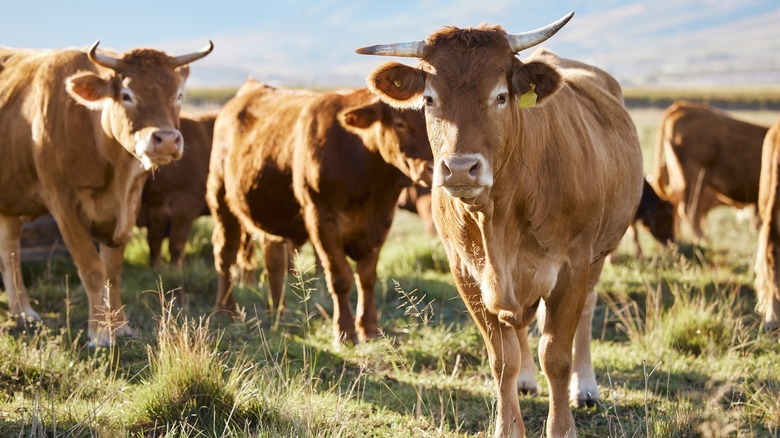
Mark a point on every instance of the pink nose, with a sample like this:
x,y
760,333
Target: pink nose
x,y
166,142
459,171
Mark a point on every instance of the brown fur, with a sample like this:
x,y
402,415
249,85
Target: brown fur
x,y
68,145
417,199
715,160
175,195
304,166
567,179
767,259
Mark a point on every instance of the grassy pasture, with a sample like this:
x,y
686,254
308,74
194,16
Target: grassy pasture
x,y
677,349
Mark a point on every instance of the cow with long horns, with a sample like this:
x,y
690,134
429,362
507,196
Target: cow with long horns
x,y
537,174
78,132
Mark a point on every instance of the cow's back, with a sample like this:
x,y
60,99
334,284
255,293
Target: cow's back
x,y
252,158
32,92
594,141
728,150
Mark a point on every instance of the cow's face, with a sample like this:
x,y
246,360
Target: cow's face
x,y
471,98
470,84
139,97
398,135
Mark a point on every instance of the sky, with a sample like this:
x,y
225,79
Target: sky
x,y
310,43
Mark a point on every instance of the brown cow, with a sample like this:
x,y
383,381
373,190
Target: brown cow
x,y
528,199
417,199
656,214
325,167
705,158
78,132
768,250
175,195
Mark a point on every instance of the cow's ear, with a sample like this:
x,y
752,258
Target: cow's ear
x,y
361,117
89,89
184,72
398,85
545,79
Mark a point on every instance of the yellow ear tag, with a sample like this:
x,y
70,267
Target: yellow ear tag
x,y
528,99
397,83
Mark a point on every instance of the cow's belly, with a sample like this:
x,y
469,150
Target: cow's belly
x,y
270,206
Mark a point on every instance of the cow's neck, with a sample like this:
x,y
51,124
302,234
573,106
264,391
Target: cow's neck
x,y
112,205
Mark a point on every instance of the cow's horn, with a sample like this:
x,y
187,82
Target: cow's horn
x,y
521,41
104,60
191,57
411,49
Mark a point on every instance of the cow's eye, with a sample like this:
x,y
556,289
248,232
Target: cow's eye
x,y
399,124
428,100
126,97
501,99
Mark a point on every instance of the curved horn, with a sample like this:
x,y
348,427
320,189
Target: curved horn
x,y
104,60
411,49
521,41
190,57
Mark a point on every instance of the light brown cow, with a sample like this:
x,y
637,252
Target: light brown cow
x,y
78,132
175,195
768,251
531,192
328,168
706,158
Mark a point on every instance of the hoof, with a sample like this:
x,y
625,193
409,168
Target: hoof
x,y
527,390
587,400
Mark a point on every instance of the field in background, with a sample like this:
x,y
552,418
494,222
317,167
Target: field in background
x,y
677,348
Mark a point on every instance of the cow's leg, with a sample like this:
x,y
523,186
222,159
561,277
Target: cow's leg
x,y
11,268
583,389
327,243
226,239
275,256
365,312
92,272
526,378
115,316
155,234
562,314
181,225
504,352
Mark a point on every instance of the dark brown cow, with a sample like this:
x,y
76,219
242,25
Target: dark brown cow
x,y
531,192
78,132
417,199
325,167
175,195
767,265
705,158
656,214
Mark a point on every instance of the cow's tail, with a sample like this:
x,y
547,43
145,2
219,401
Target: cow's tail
x,y
766,267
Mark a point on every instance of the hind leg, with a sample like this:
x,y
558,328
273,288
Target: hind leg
x,y
11,268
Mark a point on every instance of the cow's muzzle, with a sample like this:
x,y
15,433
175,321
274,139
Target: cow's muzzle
x,y
463,176
421,172
160,147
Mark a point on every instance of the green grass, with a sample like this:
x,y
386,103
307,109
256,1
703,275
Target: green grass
x,y
678,349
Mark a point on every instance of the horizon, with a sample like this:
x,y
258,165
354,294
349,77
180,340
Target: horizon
x,y
311,43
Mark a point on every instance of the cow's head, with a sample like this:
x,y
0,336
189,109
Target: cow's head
x,y
397,134
470,84
139,95
657,214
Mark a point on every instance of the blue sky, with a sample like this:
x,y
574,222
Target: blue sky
x,y
311,43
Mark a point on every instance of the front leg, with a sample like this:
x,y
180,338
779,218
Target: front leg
x,y
367,324
504,352
92,271
562,315
328,244
115,316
